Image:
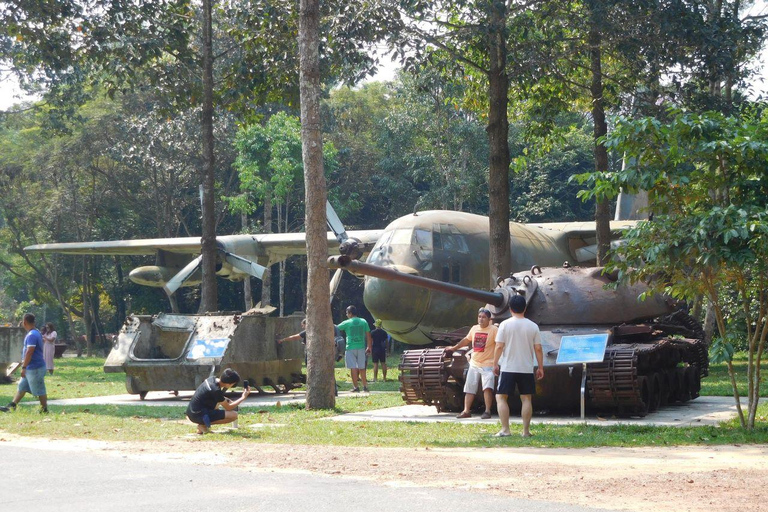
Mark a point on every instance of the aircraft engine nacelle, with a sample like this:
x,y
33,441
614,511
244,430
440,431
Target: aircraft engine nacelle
x,y
156,276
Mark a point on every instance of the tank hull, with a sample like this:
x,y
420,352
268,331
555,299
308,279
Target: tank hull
x,y
11,343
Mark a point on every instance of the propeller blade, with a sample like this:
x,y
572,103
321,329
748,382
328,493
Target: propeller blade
x,y
335,280
177,281
245,265
335,223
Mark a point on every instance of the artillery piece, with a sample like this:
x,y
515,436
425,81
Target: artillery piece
x,y
655,354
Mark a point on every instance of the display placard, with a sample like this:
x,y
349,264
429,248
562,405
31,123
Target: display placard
x,y
585,348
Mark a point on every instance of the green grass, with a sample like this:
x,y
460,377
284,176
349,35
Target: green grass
x,y
718,383
291,424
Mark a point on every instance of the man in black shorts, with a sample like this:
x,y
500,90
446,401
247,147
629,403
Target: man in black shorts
x,y
203,408
517,341
379,350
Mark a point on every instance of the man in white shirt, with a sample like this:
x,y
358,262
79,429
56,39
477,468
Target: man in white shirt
x,y
517,342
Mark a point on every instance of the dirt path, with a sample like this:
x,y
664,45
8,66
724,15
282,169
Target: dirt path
x,y
722,478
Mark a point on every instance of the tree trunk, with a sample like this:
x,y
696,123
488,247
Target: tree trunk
x,y
120,293
281,271
87,319
247,293
266,280
209,298
500,258
602,208
320,378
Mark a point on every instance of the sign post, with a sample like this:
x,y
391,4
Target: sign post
x,y
589,348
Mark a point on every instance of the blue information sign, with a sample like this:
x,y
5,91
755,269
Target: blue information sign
x,y
586,348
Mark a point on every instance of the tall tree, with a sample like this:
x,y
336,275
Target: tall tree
x,y
320,380
209,298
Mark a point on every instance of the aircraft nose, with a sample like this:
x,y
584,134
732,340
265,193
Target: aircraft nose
x,y
400,306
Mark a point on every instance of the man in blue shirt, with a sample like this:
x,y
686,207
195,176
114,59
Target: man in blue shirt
x,y
32,367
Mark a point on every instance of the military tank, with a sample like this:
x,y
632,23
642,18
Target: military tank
x,y
655,354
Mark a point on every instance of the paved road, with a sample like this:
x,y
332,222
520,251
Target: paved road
x,y
47,479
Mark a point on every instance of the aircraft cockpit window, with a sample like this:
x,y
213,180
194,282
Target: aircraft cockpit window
x,y
448,238
401,237
422,238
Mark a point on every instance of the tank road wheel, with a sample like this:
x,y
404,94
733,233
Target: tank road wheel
x,y
694,381
670,378
683,389
645,395
656,391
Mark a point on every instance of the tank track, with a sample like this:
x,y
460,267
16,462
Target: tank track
x,y
425,379
646,367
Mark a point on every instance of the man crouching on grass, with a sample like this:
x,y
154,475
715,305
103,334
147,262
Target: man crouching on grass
x,y
203,408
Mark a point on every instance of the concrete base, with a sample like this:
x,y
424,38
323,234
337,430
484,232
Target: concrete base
x,y
705,410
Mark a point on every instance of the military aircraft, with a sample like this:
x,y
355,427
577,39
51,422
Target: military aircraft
x,y
446,245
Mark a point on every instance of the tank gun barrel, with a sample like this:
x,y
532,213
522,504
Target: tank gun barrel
x,y
496,299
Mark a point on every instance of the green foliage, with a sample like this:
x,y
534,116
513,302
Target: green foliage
x,y
721,350
269,162
707,179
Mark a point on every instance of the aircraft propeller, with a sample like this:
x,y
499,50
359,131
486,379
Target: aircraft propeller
x,y
348,246
242,264
351,247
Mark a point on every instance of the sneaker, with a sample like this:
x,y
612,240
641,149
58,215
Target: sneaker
x,y
43,410
10,407
485,416
4,409
355,390
365,390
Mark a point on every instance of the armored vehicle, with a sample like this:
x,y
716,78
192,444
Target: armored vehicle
x,y
11,341
655,353
173,352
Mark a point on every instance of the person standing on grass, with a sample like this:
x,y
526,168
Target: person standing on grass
x,y
482,339
358,347
32,367
517,342
303,337
49,348
203,408
379,339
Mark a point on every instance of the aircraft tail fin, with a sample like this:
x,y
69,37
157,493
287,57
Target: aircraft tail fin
x,y
632,206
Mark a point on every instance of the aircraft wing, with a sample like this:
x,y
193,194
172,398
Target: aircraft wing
x,y
188,245
276,246
581,229
578,238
